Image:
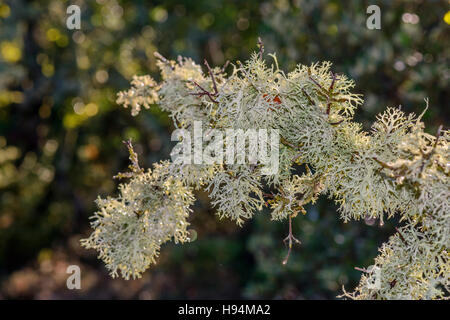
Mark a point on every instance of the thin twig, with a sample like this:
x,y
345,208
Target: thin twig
x,y
330,92
261,48
163,59
438,135
328,107
308,97
160,57
268,195
401,236
216,92
428,155
336,123
316,83
322,91
290,238
330,89
225,66
203,93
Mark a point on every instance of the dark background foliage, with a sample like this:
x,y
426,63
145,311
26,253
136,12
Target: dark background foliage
x,y
61,133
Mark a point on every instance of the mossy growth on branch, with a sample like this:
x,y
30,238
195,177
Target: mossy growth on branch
x,y
394,169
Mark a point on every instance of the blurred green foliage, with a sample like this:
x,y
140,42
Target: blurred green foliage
x,y
61,133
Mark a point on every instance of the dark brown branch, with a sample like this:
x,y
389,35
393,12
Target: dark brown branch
x,y
325,93
316,83
330,92
203,92
308,97
336,123
330,89
290,239
268,195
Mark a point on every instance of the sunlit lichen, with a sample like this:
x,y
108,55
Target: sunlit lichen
x,y
395,169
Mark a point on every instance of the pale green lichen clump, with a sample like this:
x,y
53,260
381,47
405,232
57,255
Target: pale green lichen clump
x,y
150,210
395,169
